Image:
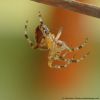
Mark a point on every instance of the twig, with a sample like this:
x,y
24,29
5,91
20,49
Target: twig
x,y
74,5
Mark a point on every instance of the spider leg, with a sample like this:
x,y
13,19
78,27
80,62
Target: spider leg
x,y
27,37
64,55
59,34
40,18
56,58
80,46
74,60
65,46
51,65
68,61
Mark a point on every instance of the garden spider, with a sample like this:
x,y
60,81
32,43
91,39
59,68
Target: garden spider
x,y
45,40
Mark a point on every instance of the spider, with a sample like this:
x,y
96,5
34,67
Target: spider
x,y
57,49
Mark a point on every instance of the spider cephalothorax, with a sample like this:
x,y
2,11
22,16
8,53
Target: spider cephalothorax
x,y
45,40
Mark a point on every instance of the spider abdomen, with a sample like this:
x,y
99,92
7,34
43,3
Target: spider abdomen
x,y
38,36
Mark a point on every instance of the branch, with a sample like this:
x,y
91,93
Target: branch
x,y
83,8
